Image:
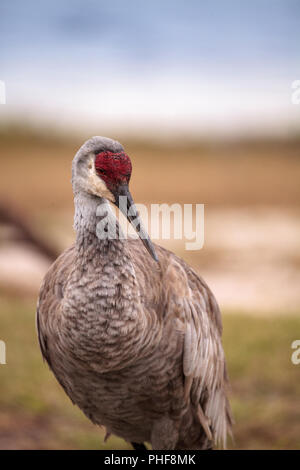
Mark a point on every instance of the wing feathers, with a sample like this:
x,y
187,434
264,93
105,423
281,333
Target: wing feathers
x,y
203,356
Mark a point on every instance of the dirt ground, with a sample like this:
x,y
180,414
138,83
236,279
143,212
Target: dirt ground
x,y
250,259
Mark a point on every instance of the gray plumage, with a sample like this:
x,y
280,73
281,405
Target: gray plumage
x,y
135,343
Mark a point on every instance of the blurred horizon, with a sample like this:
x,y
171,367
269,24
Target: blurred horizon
x,y
208,69
200,95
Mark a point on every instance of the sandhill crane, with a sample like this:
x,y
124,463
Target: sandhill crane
x,y
133,337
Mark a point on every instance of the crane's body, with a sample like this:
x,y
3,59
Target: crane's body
x,y
135,343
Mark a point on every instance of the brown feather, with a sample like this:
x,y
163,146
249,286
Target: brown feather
x,y
135,343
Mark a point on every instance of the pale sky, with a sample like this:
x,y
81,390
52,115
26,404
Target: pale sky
x,y
219,67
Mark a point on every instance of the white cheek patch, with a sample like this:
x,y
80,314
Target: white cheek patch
x,y
95,184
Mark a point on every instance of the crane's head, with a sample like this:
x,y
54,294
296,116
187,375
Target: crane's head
x,y
103,169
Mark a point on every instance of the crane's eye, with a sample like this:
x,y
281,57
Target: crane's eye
x,y
101,171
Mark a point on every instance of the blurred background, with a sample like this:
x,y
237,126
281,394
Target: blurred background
x,y
200,95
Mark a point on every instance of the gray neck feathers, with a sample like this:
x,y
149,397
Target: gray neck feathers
x,y
95,224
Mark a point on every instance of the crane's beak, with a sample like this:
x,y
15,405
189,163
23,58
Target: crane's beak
x,y
125,202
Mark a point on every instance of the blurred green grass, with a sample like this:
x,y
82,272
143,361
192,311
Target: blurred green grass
x,y
34,410
265,386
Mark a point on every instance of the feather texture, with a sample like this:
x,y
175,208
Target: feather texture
x,y
135,343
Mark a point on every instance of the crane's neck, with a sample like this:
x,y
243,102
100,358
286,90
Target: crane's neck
x,y
106,275
97,229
